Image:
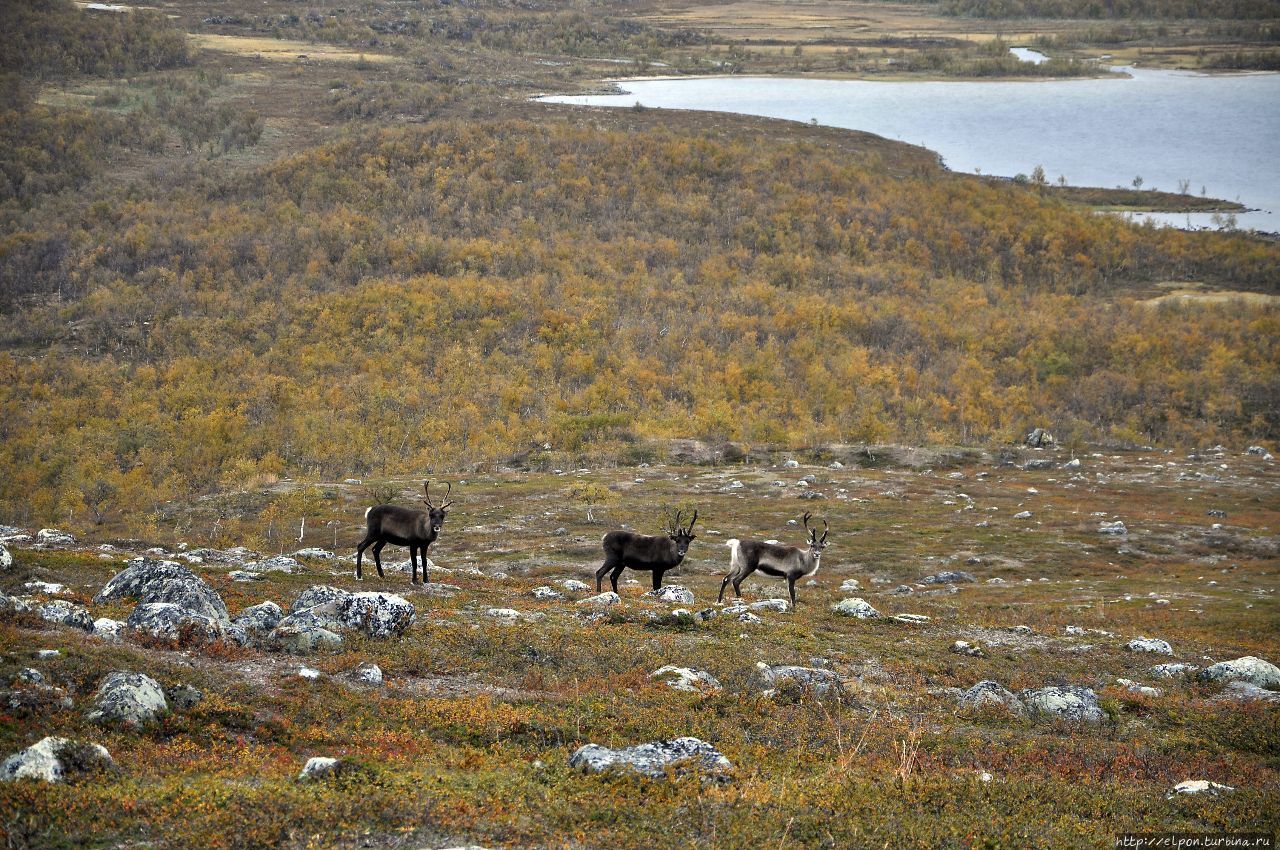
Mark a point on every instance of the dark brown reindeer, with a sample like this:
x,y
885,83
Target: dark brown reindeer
x,y
774,559
658,554
403,527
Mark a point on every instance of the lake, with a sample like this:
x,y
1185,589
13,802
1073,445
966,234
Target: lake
x,y
1220,133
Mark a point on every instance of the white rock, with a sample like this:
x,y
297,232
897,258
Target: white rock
x,y
653,760
791,464
53,536
855,607
1199,786
990,693
48,588
507,615
780,606
1138,688
748,617
368,673
603,600
378,615
1116,527
1146,644
546,592
814,680
309,673
1022,515
6,559
1173,671
45,760
673,593
963,647
574,586
686,679
314,552
107,628
850,585
318,767
1249,669
1069,702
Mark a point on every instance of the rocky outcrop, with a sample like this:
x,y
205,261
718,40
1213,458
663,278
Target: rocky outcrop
x,y
54,537
56,760
171,621
152,581
317,594
656,760
64,613
130,699
259,619
1255,671
378,615
319,767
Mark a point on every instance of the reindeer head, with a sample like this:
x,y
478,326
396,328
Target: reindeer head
x,y
816,544
436,513
682,536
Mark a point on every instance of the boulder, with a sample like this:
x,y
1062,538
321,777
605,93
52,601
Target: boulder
x,y
171,621
672,593
949,577
989,693
65,613
1192,787
183,697
301,639
56,760
686,679
242,575
1173,671
1146,644
54,537
814,681
654,760
378,615
317,594
1139,688
107,628
507,615
850,585
1039,438
1069,702
367,673
963,647
1022,515
327,615
274,564
574,586
600,601
1116,527
778,606
855,607
1038,463
318,767
6,559
546,591
148,580
260,618
1246,691
1255,671
130,699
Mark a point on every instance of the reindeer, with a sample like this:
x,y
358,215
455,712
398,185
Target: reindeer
x,y
403,527
774,559
642,552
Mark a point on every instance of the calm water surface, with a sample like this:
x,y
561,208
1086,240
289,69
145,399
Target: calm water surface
x,y
1219,132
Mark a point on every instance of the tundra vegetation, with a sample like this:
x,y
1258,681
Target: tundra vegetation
x,y
250,255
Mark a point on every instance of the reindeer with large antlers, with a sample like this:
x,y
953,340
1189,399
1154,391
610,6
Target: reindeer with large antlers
x,y
774,559
658,554
403,527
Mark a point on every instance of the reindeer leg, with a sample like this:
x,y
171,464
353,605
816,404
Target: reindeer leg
x,y
613,576
364,544
413,564
609,564
657,578
791,588
422,550
723,585
377,557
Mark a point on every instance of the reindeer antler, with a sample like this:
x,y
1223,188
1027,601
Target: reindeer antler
x,y
426,488
674,524
689,530
447,501
825,529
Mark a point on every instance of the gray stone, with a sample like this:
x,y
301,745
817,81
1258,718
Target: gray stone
x,y
327,615
54,537
302,639
672,593
654,760
378,615
149,580
6,559
778,606
260,618
130,699
1039,438
274,564
575,586
56,760
850,585
949,577
1245,691
546,592
1069,702
242,575
368,673
1249,669
686,679
963,647
1173,671
1039,463
1022,515
313,552
1146,644
1139,688
600,601
507,615
183,697
46,588
990,693
855,607
107,628
1116,527
65,613
317,594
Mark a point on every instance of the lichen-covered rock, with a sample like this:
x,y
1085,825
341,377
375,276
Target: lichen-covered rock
x,y
855,607
507,615
1139,688
302,639
1039,438
107,628
130,699
317,594
56,760
65,613
367,673
1173,671
326,615
171,621
314,552
274,564
54,537
850,585
603,600
686,679
546,592
675,593
1117,527
1249,669
1069,702
260,618
987,694
655,759
183,697
778,606
1146,644
318,767
148,580
949,577
574,586
6,559
775,679
963,647
378,615
1245,692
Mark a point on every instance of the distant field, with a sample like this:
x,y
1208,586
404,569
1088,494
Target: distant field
x,y
284,50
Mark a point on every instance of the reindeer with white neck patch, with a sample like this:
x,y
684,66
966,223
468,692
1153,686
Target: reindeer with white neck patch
x,y
774,559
